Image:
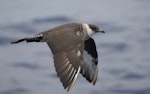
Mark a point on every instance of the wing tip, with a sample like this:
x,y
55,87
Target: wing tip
x,y
95,76
74,80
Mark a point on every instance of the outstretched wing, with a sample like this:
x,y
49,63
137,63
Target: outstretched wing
x,y
90,66
68,66
67,49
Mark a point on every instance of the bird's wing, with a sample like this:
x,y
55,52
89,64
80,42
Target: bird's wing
x,y
68,66
67,51
89,68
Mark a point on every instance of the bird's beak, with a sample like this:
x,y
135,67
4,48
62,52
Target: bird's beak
x,y
102,31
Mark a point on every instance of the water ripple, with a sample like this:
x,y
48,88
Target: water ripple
x,y
15,91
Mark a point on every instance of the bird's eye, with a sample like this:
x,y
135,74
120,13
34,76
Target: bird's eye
x,y
94,28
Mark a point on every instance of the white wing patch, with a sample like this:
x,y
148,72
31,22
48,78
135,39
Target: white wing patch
x,y
78,53
78,33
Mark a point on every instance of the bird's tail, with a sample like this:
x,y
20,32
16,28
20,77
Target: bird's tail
x,y
36,38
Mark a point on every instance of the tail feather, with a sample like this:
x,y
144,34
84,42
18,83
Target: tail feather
x,y
36,38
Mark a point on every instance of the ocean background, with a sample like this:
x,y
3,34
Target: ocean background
x,y
124,50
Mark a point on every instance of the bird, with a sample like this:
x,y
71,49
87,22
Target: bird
x,y
74,51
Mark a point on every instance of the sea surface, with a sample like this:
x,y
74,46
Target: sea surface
x,y
124,50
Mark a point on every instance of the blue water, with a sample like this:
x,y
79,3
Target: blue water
x,y
124,50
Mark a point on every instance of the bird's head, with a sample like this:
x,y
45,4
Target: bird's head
x,y
91,29
95,28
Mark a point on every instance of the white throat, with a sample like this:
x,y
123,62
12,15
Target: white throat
x,y
88,30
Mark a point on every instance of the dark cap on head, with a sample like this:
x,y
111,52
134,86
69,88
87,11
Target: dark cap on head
x,y
96,28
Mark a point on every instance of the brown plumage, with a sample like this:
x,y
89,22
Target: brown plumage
x,y
70,44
